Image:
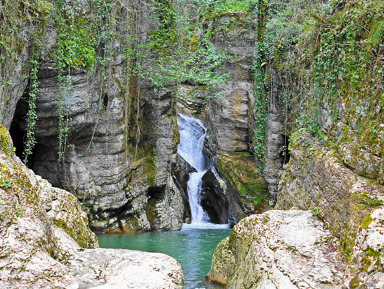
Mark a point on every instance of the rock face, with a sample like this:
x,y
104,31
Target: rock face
x,y
365,270
231,113
120,132
44,233
278,249
120,136
316,179
239,171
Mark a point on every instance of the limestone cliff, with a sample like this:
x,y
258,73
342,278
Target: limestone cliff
x,y
46,241
319,97
93,95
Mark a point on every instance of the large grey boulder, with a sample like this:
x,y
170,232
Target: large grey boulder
x,y
278,249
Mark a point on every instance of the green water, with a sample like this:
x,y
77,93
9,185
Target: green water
x,y
192,247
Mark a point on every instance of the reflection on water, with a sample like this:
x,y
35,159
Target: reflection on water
x,y
193,247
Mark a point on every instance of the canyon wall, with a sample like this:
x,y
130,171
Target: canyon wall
x,y
47,243
320,90
96,114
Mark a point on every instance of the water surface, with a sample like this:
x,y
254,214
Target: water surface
x,y
193,247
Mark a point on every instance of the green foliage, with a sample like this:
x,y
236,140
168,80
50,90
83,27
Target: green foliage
x,y
344,69
75,49
30,139
261,100
375,35
234,5
75,46
323,67
316,211
21,21
260,107
178,54
4,184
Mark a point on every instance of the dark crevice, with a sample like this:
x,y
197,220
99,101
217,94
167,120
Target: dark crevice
x,y
213,200
156,193
105,101
284,154
18,129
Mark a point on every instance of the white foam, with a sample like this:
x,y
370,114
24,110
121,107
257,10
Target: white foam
x,y
204,226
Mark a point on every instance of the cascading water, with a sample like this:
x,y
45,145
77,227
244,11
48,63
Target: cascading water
x,y
194,244
192,135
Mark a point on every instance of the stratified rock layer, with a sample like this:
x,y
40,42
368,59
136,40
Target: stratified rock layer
x,y
278,249
43,233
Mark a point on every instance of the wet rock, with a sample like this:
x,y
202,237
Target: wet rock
x,y
278,249
241,174
215,198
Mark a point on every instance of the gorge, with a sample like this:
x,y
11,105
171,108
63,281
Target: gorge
x,y
149,115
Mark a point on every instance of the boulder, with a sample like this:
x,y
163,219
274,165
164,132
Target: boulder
x,y
278,249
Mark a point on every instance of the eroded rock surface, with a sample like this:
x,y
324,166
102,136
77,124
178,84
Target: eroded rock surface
x,y
366,268
45,240
316,179
278,249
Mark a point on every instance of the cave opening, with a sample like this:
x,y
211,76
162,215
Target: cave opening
x,y
18,129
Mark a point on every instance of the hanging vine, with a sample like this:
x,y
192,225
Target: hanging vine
x,y
31,118
75,49
260,97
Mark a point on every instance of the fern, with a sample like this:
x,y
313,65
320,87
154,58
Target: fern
x,y
374,36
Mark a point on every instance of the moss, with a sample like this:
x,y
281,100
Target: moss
x,y
347,241
366,221
82,239
265,219
4,142
372,253
240,171
370,258
363,201
151,170
145,160
354,283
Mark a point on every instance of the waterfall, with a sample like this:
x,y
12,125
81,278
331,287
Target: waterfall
x,y
192,135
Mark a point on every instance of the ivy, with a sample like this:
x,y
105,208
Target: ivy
x,y
260,97
179,55
75,49
260,106
30,139
20,21
62,110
